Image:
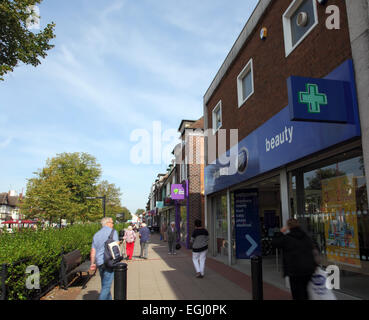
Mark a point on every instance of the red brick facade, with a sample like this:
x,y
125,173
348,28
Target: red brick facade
x,y
320,52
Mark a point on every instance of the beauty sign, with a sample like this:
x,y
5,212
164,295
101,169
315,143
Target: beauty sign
x,y
177,192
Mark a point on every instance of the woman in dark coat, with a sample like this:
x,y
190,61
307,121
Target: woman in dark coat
x,y
298,258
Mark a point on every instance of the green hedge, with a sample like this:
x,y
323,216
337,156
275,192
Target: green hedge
x,y
43,249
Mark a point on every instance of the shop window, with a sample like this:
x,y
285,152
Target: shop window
x,y
299,20
221,225
217,117
334,211
245,84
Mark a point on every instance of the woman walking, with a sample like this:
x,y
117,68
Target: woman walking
x,y
130,238
199,240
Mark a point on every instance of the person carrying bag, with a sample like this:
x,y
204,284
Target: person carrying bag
x,y
298,260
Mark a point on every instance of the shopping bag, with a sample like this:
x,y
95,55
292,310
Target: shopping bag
x,y
317,289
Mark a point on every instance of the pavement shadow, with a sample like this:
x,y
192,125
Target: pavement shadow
x,y
91,295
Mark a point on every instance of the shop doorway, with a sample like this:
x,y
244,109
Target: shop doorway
x,y
270,215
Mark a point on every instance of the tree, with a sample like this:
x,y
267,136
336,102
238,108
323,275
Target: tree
x,y
139,211
60,190
113,194
124,215
46,198
17,42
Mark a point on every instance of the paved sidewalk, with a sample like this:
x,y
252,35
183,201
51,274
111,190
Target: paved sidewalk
x,y
172,277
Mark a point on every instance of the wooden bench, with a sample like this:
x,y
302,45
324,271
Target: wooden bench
x,y
71,264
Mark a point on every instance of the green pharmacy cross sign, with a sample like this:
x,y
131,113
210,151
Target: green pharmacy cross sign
x,y
313,98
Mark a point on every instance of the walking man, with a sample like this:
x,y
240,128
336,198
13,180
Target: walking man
x,y
97,257
298,259
144,235
199,240
172,238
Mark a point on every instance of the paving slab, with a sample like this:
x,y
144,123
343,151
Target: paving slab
x,y
172,277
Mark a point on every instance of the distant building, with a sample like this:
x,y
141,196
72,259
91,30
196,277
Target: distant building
x,y
9,206
186,172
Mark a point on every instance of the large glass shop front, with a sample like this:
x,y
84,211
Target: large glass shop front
x,y
330,201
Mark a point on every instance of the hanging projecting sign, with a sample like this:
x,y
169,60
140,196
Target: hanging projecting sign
x,y
177,192
247,224
319,100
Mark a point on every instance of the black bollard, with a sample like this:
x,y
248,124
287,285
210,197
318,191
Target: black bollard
x,y
120,281
4,275
257,278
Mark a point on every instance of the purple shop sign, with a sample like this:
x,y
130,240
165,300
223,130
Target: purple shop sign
x,y
177,192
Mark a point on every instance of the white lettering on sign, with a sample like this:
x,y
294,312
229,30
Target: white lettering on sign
x,y
285,136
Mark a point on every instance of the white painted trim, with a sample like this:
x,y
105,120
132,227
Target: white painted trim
x,y
219,104
248,68
286,20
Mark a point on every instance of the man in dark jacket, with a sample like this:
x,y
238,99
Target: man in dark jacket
x,y
298,259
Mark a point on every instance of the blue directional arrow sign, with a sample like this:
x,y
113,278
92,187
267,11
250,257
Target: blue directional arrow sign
x,y
247,223
254,245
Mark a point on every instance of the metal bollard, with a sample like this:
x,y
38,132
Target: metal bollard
x,y
120,281
4,275
257,277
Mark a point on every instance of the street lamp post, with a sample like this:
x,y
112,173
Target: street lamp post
x,y
103,200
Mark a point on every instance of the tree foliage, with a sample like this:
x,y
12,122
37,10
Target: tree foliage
x,y
113,194
124,215
139,211
17,42
61,188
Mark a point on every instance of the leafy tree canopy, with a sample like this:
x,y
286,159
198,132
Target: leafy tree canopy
x,y
17,42
113,194
61,188
139,211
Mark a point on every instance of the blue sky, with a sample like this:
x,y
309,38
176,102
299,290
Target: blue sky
x,y
117,66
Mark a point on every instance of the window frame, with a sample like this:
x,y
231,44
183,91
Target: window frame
x,y
287,30
249,68
218,105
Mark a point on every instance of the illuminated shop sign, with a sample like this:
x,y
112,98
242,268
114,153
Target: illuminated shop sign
x,y
323,100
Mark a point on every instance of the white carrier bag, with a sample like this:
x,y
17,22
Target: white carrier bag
x,y
115,251
317,286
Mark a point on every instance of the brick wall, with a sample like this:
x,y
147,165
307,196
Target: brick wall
x,y
321,52
195,174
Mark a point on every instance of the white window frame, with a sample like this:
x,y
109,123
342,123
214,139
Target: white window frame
x,y
249,68
287,30
219,105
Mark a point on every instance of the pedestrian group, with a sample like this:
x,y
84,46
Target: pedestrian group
x,y
299,252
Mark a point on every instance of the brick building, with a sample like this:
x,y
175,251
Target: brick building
x,y
292,86
187,170
190,160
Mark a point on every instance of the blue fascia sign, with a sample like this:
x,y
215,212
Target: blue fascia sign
x,y
293,134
